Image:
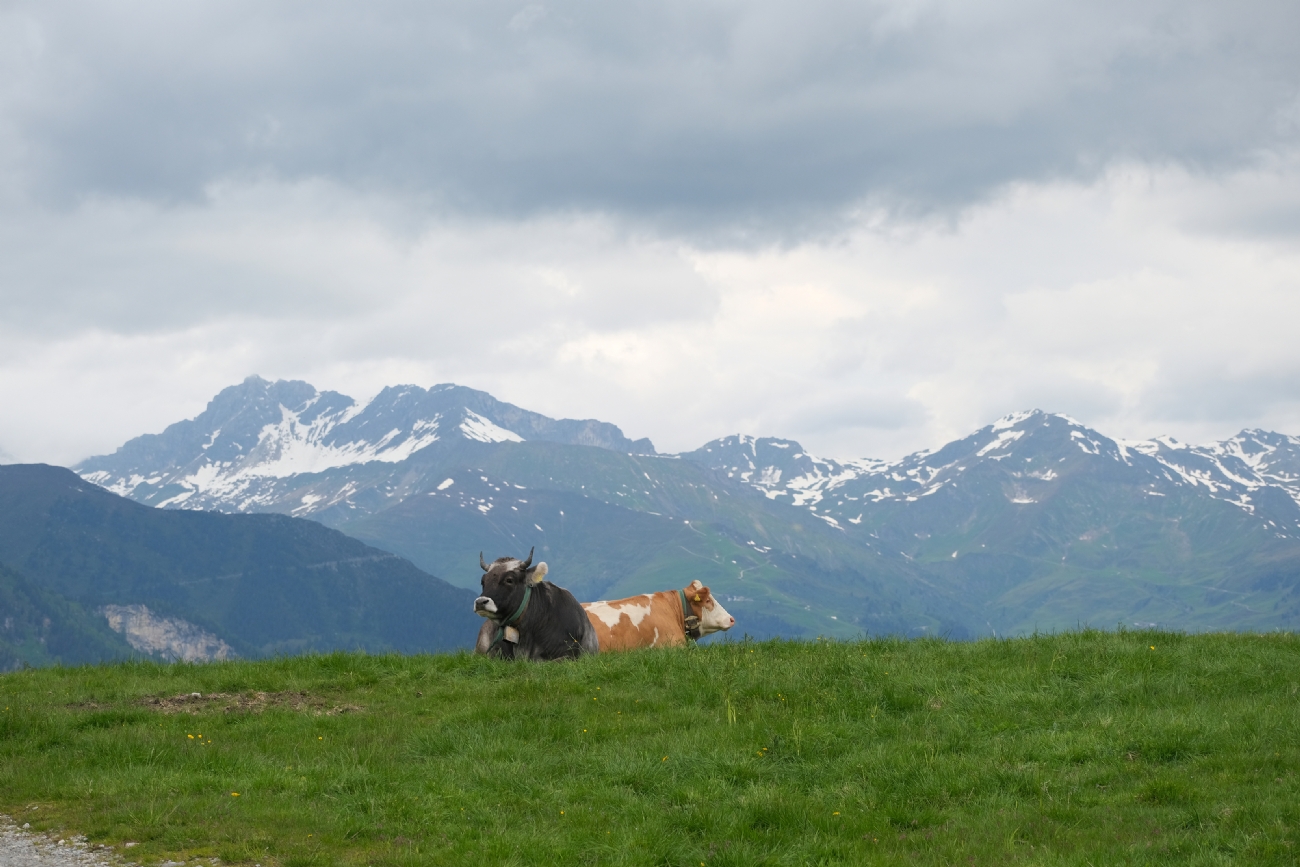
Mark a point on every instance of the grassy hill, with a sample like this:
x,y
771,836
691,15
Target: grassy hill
x,y
267,584
1081,748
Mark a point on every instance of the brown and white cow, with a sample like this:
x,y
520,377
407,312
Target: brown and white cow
x,y
657,619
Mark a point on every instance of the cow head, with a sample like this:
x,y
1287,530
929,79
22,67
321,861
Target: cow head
x,y
713,617
503,585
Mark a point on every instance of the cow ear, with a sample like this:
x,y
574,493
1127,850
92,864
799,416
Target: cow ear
x,y
536,574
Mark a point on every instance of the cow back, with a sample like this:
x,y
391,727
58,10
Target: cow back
x,y
648,620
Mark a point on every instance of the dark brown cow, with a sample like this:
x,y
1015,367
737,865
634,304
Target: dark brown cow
x,y
528,617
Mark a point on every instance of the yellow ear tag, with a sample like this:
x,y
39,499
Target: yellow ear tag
x,y
697,597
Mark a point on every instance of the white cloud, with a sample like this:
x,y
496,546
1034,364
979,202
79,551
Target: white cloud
x,y
1129,303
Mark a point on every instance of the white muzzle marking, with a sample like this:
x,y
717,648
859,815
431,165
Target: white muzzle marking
x,y
715,618
484,606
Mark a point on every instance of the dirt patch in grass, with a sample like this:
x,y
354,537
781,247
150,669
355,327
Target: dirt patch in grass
x,y
195,703
248,702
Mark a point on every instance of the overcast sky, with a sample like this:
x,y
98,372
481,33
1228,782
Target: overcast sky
x,y
869,226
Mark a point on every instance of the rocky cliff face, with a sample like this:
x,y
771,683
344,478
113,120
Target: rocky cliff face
x,y
168,637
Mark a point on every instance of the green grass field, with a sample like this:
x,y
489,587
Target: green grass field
x,y
1085,748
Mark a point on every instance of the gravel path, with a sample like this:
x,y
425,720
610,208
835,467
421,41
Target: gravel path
x,y
21,848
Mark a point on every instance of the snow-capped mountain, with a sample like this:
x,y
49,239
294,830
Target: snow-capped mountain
x,y
240,452
1041,522
1256,471
1235,470
1034,521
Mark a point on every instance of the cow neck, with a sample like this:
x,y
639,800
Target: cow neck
x,y
513,618
690,622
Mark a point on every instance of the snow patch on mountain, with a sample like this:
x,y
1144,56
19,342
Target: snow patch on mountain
x,y
1005,438
120,486
476,427
1010,421
292,447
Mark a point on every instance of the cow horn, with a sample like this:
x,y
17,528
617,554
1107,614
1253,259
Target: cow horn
x,y
529,561
481,561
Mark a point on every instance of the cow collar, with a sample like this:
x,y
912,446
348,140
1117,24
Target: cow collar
x,y
689,620
513,618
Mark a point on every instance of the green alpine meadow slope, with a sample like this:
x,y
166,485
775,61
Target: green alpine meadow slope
x,y
263,584
1087,748
611,525
1100,555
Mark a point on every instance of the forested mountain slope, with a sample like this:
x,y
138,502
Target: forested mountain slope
x,y
262,584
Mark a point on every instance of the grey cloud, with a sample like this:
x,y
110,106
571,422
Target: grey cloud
x,y
1206,393
711,116
140,269
325,260
851,414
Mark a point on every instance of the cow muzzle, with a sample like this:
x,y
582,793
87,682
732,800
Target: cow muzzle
x,y
485,607
716,619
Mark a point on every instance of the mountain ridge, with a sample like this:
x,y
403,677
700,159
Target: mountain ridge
x,y
1239,466
1032,521
258,431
